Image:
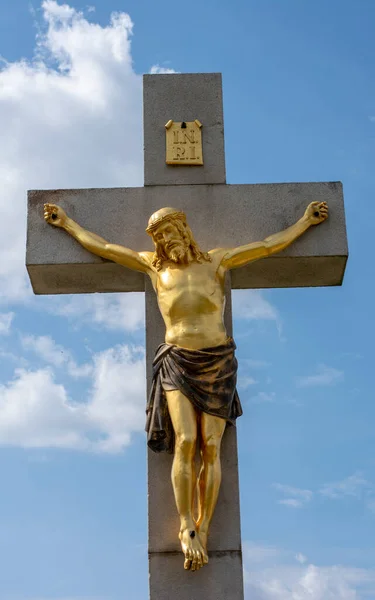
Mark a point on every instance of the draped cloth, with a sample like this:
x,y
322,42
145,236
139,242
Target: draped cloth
x,y
207,377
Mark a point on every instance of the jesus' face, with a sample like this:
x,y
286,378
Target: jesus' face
x,y
172,241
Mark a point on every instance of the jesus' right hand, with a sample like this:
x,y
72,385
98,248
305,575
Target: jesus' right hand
x,y
55,215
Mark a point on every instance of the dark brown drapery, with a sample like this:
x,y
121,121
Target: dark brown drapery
x,y
207,377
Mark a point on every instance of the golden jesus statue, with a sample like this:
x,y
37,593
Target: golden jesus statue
x,y
193,393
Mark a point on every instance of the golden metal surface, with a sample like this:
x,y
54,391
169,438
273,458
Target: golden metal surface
x,y
160,215
184,143
189,284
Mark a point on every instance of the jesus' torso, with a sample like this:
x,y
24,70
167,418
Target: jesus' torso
x,y
191,300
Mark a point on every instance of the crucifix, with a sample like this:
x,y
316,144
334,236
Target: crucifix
x,y
191,380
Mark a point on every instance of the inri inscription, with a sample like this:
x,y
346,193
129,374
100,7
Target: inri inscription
x,y
184,143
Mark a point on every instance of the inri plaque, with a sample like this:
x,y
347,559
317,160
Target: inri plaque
x,y
184,143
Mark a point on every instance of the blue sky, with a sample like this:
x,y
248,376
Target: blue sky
x,y
299,105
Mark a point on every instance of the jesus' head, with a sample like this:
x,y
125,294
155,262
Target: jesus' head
x,y
173,239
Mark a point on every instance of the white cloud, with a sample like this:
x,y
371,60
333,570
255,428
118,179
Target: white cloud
x,y
263,397
256,364
5,322
54,354
295,497
71,117
251,304
311,583
37,412
245,379
292,502
351,355
56,13
275,576
158,70
259,553
246,382
354,485
324,376
11,356
46,348
301,558
125,312
118,397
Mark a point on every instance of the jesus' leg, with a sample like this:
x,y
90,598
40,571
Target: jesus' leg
x,y
212,429
184,421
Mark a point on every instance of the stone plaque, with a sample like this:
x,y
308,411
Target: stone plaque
x,y
184,143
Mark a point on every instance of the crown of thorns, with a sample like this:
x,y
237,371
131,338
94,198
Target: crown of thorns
x,y
155,221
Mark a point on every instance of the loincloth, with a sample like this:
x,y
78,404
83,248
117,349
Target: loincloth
x,y
207,377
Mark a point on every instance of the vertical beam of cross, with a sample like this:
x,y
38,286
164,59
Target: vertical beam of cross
x,y
186,98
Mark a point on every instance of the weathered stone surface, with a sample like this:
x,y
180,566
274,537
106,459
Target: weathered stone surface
x,y
222,215
221,579
183,97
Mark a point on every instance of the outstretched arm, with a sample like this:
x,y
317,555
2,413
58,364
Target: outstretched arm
x,y
316,213
138,261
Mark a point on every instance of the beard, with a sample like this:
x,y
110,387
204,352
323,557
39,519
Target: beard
x,y
178,253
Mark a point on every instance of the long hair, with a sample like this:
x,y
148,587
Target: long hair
x,y
183,228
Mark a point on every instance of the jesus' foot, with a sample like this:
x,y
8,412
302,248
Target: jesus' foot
x,y
192,549
203,535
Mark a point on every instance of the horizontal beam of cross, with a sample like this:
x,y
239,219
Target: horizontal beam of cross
x,y
219,216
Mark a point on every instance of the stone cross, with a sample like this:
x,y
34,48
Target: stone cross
x,y
219,215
